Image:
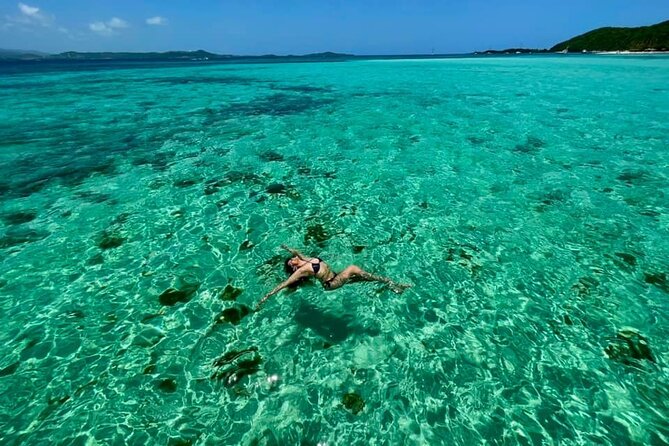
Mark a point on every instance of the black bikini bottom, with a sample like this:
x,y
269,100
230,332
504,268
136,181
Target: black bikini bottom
x,y
328,283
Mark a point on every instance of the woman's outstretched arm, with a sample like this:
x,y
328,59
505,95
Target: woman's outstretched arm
x,y
295,252
297,275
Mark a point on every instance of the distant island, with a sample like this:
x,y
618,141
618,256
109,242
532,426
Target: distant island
x,y
643,38
652,38
20,54
199,55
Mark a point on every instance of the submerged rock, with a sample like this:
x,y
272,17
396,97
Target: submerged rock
x,y
239,368
531,146
74,314
585,285
234,315
629,347
246,245
18,218
230,293
97,259
279,104
465,255
10,369
316,233
213,186
172,296
353,402
632,177
150,316
627,258
110,239
177,441
271,155
167,385
657,279
554,196
279,189
241,177
14,237
186,182
276,188
232,355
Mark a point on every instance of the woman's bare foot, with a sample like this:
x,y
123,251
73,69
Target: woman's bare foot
x,y
399,287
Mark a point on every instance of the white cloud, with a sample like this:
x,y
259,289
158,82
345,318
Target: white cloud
x,y
115,22
31,19
32,15
109,27
157,20
100,27
31,11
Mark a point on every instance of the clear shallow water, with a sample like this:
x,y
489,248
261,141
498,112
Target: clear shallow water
x,y
526,200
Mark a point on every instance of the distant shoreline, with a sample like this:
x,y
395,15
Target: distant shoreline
x,y
632,53
137,60
643,40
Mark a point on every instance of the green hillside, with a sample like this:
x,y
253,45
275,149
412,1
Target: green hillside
x,y
620,39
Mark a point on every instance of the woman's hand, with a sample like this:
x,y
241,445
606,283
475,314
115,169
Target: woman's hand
x,y
294,252
305,271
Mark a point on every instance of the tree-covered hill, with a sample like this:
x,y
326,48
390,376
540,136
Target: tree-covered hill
x,y
643,38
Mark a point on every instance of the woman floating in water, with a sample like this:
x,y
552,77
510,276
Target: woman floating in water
x,y
301,267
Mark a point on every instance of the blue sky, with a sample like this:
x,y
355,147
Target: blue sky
x,y
303,26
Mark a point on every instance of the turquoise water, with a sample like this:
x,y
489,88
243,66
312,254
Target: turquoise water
x,y
525,199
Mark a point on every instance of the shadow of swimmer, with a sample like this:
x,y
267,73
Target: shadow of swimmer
x,y
333,328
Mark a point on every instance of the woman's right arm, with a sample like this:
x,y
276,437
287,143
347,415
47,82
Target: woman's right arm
x,y
297,275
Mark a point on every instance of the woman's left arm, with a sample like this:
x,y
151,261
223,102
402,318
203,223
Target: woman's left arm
x,y
295,252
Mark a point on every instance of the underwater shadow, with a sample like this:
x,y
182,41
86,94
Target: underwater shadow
x,y
331,327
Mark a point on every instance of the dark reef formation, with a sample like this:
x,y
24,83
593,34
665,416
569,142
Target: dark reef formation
x,y
231,368
629,348
353,402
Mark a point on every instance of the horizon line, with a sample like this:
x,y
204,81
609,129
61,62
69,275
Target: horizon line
x,y
44,53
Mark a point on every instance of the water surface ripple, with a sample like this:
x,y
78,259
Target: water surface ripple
x,y
525,198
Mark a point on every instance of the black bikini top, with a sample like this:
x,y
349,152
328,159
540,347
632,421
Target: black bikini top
x,y
316,267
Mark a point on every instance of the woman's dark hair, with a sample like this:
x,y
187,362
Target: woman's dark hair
x,y
287,267
290,269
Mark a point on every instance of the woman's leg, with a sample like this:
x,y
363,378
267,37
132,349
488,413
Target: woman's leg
x,y
354,272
